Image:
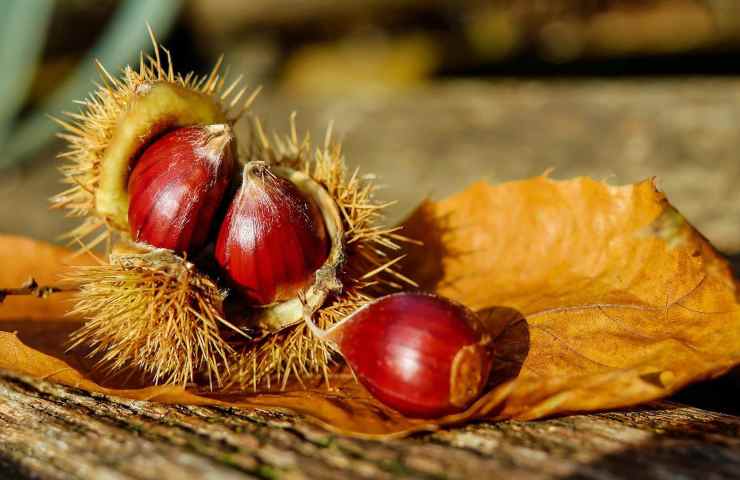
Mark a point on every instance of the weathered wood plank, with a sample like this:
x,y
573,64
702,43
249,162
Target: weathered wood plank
x,y
51,431
432,141
436,140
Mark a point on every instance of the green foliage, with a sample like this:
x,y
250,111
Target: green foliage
x,y
22,37
22,32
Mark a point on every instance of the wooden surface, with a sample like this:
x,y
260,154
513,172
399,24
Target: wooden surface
x,y
55,432
433,141
436,140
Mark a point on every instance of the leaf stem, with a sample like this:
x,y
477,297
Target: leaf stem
x,y
31,287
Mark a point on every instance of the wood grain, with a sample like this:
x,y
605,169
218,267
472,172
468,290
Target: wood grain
x,y
55,432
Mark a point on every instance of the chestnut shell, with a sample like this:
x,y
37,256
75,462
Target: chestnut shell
x,y
177,186
273,239
420,354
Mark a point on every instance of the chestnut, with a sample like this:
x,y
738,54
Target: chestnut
x,y
420,354
273,238
177,186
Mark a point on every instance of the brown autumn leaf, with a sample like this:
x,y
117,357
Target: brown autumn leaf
x,y
598,296
22,259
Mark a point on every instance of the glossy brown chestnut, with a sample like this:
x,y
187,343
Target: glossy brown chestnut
x,y
420,354
273,238
177,186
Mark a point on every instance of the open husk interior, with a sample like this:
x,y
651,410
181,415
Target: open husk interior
x,y
371,254
117,121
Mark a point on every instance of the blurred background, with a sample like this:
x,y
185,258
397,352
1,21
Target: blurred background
x,y
429,94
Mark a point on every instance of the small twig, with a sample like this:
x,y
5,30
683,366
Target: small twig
x,y
31,287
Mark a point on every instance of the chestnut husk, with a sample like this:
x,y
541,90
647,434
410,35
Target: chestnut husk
x,y
116,125
362,262
125,116
118,121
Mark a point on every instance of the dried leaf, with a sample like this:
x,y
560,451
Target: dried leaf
x,y
22,259
598,296
624,301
